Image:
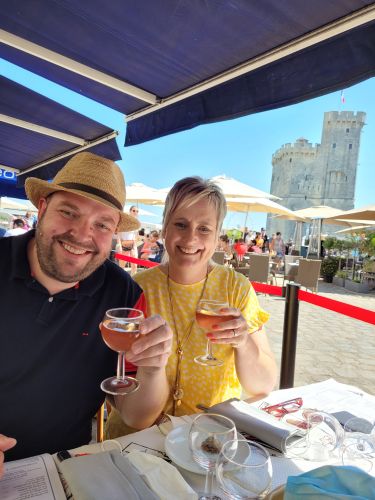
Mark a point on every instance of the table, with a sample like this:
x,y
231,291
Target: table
x,y
329,396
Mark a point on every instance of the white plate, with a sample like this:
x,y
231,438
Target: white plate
x,y
177,448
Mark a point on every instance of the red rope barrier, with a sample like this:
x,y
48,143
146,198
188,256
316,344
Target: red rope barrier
x,y
270,289
317,300
341,307
133,260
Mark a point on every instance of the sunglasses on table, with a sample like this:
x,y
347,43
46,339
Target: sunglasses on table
x,y
281,409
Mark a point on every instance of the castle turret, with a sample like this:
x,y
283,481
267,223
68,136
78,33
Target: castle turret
x,y
305,175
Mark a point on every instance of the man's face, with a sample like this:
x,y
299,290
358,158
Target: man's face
x,y
74,236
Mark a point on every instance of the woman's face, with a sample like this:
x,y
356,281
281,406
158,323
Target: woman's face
x,y
191,235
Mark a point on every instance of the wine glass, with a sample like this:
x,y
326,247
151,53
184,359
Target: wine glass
x,y
244,470
359,443
208,433
320,438
120,328
208,314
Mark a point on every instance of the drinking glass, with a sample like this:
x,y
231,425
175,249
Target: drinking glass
x,y
120,328
359,443
208,433
321,436
244,470
208,314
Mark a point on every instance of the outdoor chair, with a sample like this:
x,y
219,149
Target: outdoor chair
x,y
308,273
218,257
259,266
100,420
290,270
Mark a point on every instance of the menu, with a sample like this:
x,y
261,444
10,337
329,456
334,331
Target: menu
x,y
31,478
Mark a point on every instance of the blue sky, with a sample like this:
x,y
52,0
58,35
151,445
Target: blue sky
x,y
240,148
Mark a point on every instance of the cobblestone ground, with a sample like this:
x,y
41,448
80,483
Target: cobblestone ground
x,y
329,345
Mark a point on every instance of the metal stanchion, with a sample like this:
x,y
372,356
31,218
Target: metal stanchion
x,y
288,354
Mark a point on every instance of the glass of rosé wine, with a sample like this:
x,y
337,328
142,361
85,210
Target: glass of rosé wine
x,y
120,328
208,314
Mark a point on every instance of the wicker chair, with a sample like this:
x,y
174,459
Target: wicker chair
x,y
218,257
259,267
308,273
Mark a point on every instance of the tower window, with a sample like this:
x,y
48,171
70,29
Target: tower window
x,y
347,131
290,160
350,146
334,145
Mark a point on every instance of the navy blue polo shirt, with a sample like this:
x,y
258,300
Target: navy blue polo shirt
x,y
52,356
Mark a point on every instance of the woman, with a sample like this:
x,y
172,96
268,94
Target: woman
x,y
192,219
129,243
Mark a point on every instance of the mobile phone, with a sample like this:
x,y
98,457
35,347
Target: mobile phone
x,y
343,417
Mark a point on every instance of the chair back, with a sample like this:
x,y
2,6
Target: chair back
x,y
289,259
259,267
218,257
308,273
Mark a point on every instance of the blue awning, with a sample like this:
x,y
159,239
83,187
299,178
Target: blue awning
x,y
37,136
170,66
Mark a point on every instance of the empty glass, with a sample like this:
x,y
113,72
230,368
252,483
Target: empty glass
x,y
208,433
244,470
359,443
322,439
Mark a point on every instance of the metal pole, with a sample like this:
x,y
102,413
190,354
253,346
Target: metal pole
x,y
288,353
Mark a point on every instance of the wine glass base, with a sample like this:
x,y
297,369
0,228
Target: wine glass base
x,y
118,387
208,360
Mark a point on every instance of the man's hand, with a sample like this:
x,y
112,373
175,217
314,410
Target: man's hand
x,y
5,444
153,346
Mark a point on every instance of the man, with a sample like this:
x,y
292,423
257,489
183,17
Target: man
x,y
18,228
56,284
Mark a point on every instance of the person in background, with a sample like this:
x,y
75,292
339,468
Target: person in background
x,y
52,356
277,247
151,249
129,243
254,247
18,228
30,220
240,247
192,219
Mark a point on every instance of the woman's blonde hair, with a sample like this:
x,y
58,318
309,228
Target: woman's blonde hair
x,y
190,190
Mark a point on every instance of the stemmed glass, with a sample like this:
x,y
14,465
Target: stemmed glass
x,y
359,443
244,470
208,314
208,433
120,328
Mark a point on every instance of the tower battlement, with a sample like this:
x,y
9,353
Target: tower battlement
x,y
304,174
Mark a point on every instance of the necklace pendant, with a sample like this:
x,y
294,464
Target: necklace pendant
x,y
178,395
180,352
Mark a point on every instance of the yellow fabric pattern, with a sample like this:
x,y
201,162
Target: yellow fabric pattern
x,y
201,384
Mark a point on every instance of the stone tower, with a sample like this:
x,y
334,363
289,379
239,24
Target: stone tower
x,y
304,175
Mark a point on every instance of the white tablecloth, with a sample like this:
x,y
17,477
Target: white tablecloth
x,y
329,396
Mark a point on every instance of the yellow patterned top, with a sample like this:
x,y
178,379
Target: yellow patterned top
x,y
201,384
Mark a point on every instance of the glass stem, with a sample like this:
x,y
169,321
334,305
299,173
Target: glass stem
x,y
208,487
209,350
121,366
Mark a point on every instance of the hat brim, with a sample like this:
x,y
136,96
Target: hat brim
x,y
38,188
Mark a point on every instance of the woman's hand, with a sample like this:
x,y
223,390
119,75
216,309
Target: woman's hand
x,y
153,346
235,331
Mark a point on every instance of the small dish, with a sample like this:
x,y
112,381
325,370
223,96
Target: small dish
x,y
177,448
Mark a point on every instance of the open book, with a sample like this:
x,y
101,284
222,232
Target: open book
x,y
31,478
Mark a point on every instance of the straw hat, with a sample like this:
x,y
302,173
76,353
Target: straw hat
x,y
90,176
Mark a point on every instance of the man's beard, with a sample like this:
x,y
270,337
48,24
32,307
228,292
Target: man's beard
x,y
49,263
